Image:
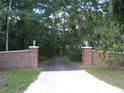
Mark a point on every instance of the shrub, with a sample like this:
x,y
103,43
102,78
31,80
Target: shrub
x,y
74,54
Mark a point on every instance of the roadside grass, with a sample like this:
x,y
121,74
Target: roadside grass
x,y
17,80
113,75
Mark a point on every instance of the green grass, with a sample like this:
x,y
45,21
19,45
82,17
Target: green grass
x,y
17,80
113,76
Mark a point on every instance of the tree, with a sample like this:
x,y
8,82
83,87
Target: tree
x,y
59,26
118,9
8,22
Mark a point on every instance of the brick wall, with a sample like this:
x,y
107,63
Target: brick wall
x,y
19,59
93,57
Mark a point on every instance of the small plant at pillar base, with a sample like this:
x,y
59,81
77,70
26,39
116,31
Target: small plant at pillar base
x,y
102,56
111,58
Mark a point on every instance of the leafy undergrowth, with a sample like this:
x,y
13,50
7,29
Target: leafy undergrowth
x,y
16,80
113,76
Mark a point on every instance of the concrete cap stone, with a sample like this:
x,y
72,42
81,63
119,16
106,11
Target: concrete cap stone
x,y
33,47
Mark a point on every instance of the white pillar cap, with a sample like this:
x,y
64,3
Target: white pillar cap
x,y
86,47
33,47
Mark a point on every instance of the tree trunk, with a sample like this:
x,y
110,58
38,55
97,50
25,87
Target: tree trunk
x,y
7,30
110,8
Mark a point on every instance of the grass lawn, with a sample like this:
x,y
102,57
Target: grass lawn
x,y
113,76
17,80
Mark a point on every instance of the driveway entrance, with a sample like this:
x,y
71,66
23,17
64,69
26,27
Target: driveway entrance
x,y
62,77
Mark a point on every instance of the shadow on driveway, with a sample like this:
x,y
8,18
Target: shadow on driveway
x,y
60,64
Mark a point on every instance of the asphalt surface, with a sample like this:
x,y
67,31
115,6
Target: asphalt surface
x,y
60,64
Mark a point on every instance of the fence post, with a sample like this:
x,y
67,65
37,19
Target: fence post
x,y
87,56
33,56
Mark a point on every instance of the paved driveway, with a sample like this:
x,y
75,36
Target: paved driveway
x,y
62,77
60,64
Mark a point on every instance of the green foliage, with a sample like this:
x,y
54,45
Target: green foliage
x,y
55,24
110,35
74,54
42,58
118,9
102,56
111,58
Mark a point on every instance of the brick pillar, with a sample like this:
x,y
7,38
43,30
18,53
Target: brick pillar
x,y
33,56
87,56
95,58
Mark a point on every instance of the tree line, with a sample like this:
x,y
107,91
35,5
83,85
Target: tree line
x,y
61,27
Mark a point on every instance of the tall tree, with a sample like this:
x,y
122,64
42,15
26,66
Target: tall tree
x,y
110,8
8,22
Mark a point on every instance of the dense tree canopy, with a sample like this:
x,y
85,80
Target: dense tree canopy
x,y
60,26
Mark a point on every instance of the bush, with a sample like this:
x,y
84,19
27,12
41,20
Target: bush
x,y
42,58
74,54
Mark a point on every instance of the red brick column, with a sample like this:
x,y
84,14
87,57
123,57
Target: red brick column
x,y
95,58
33,56
87,56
